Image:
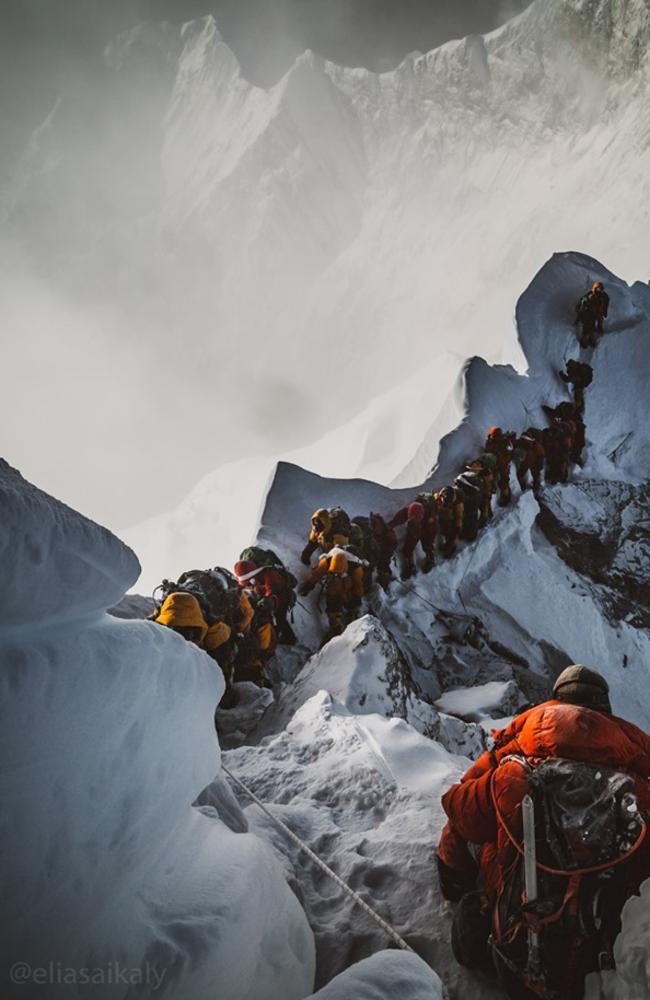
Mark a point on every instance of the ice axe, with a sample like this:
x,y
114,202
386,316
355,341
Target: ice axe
x,y
530,881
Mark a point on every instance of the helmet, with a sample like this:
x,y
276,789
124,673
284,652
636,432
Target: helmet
x,y
321,519
578,685
415,512
338,561
597,286
494,432
447,494
246,571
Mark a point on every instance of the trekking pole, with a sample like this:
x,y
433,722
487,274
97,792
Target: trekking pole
x,y
530,876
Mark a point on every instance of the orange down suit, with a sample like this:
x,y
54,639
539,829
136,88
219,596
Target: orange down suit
x,y
554,729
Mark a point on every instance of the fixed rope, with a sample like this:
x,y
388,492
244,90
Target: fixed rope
x,y
386,927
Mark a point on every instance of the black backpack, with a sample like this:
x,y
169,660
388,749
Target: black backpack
x,y
213,590
470,486
340,522
580,372
587,827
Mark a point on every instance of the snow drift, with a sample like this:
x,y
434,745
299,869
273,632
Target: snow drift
x,y
107,737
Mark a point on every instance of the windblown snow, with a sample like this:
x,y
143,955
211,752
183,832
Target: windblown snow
x,y
276,259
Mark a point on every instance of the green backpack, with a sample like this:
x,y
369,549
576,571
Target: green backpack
x,y
489,461
362,538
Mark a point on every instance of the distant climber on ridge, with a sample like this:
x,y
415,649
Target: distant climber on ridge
x,y
386,544
263,573
486,467
579,375
341,573
588,775
328,528
451,513
591,311
529,458
421,520
558,444
566,415
470,486
501,446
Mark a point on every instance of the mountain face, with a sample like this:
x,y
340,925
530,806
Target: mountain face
x,y
283,254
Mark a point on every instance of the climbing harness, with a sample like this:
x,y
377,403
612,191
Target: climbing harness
x,y
392,933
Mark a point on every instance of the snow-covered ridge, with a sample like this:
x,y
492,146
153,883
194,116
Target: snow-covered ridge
x,y
57,565
492,577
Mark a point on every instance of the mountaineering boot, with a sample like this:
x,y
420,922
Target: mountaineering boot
x,y
428,563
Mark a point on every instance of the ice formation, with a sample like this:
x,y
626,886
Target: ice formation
x,y
107,738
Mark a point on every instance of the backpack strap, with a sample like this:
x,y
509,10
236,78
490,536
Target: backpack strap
x,y
560,871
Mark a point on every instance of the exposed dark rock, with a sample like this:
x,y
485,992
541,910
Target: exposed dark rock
x,y
602,531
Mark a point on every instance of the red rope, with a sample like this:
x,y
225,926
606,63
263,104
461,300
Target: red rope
x,y
559,871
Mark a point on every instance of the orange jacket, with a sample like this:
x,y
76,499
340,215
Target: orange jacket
x,y
347,586
554,729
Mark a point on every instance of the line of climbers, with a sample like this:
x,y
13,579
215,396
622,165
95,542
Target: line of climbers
x,y
353,549
542,927
240,618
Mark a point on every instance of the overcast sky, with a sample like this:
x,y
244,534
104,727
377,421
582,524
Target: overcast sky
x,y
50,48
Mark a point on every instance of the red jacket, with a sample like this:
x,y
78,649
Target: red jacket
x,y
554,729
270,583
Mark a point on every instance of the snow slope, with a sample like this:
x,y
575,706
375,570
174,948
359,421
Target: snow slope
x,y
279,255
363,792
106,737
384,975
